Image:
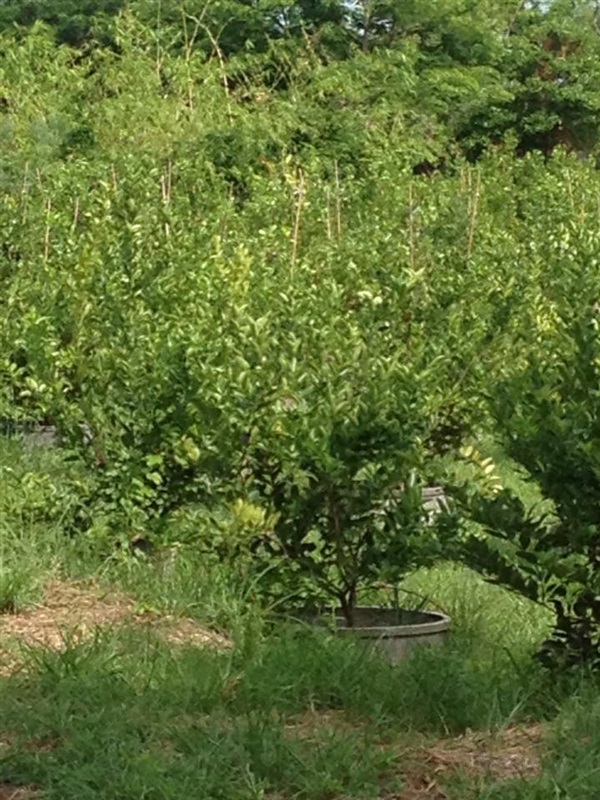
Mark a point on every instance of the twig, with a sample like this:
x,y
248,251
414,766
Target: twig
x,y
219,52
513,19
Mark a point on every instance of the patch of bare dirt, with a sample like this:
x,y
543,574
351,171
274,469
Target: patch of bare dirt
x,y
10,792
511,754
79,609
181,631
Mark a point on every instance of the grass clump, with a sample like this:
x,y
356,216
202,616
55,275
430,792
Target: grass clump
x,y
181,730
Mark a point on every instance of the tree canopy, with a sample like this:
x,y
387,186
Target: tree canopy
x,y
475,72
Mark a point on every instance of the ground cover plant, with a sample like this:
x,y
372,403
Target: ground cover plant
x,y
265,282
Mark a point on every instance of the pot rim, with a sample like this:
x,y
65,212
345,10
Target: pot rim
x,y
432,622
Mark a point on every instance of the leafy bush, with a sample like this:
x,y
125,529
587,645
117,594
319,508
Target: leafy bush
x,y
342,470
220,287
548,412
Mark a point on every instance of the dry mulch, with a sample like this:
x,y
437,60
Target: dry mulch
x,y
427,769
76,610
510,754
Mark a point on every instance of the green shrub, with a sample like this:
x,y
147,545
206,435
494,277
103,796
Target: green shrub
x,y
547,411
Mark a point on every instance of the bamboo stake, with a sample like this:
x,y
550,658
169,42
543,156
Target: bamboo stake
x,y
158,53
221,59
165,198
338,201
328,216
473,214
75,214
166,182
47,233
300,195
570,190
24,192
189,44
411,227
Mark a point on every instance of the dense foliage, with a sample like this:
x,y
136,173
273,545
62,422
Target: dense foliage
x,y
469,73
548,415
289,280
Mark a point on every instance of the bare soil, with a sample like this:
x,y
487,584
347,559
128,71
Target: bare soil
x,y
73,611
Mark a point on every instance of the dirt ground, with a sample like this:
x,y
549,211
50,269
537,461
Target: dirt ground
x,y
72,611
8,792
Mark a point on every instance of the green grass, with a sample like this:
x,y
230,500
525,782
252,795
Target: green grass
x,y
289,711
35,500
129,720
124,716
572,760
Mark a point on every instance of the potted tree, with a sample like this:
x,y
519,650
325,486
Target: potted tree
x,y
341,474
